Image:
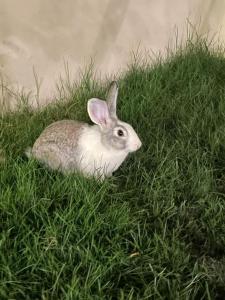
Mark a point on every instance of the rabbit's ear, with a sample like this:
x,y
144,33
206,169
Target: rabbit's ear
x,y
98,112
112,98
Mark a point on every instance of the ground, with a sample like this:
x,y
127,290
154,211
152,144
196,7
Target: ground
x,y
156,229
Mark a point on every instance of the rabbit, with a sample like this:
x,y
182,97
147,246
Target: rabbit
x,y
93,150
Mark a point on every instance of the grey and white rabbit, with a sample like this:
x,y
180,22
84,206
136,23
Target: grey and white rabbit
x,y
98,150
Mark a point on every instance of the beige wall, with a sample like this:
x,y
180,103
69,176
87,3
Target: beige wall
x,y
38,36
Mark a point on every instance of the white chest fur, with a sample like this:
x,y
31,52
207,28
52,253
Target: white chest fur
x,y
95,158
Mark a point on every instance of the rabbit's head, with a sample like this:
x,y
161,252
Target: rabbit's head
x,y
115,134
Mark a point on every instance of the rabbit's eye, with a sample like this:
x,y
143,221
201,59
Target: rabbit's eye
x,y
120,132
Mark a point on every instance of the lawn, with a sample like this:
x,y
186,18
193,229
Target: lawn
x,y
156,229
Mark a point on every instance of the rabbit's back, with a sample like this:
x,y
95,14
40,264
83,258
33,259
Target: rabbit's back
x,y
57,146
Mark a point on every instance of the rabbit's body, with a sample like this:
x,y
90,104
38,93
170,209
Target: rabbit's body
x,y
97,150
71,146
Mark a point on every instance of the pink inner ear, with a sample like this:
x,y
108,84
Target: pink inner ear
x,y
98,111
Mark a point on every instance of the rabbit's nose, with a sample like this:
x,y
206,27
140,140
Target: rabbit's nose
x,y
138,145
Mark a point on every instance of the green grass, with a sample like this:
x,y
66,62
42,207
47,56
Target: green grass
x,y
73,238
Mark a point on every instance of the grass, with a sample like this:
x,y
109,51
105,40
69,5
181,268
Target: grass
x,y
156,229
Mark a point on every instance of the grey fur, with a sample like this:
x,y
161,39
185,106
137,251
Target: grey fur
x,y
108,137
111,98
110,140
56,147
